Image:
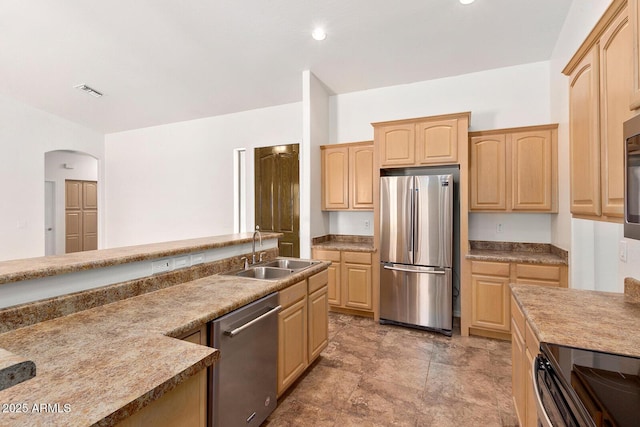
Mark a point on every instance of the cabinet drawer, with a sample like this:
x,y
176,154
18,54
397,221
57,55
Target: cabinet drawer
x,y
357,257
490,268
540,272
550,283
293,293
518,316
326,255
317,281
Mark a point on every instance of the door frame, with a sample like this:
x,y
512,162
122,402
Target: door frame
x,y
50,229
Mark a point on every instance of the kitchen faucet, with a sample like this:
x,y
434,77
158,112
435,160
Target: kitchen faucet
x,y
254,243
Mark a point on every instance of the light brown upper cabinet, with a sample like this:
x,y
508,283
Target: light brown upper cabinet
x,y
347,176
583,130
514,169
488,172
420,142
601,86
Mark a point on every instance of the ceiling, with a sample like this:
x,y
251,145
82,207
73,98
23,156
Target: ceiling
x,y
163,61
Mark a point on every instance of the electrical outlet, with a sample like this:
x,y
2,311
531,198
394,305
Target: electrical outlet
x,y
367,224
197,259
622,250
181,262
161,266
499,228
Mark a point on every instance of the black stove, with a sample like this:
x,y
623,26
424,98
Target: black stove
x,y
581,387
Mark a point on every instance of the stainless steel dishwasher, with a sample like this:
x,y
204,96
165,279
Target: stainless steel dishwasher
x,y
244,380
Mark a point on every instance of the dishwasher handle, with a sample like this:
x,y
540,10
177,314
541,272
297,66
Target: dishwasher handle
x,y
232,333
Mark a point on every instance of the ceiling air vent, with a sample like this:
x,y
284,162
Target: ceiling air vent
x,y
89,90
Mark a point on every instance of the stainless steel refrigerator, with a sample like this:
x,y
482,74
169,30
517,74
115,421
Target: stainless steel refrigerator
x,y
416,229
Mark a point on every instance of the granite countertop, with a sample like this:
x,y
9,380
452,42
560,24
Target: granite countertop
x,y
33,268
603,321
528,253
109,361
335,242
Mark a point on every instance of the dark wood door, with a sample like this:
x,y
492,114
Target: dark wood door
x,y
277,198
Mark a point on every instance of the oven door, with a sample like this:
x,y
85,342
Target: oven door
x,y
555,405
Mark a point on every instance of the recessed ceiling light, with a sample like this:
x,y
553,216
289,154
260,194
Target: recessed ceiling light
x,y
319,34
467,1
91,91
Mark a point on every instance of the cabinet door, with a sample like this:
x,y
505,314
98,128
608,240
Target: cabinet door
x,y
616,80
335,178
488,173
318,322
396,144
361,177
357,283
532,348
437,142
292,344
532,184
490,302
584,136
335,274
518,372
334,293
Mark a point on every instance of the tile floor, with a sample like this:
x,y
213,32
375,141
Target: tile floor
x,y
380,375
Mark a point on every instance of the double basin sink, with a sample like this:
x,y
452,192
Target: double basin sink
x,y
274,270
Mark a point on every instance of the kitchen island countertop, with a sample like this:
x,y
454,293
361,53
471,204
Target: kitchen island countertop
x,y
107,362
602,321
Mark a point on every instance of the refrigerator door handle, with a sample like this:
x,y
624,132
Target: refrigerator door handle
x,y
412,221
408,270
415,229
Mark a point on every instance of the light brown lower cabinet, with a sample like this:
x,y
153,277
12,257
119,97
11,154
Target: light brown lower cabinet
x,y
318,315
292,335
185,405
303,327
350,280
490,293
524,348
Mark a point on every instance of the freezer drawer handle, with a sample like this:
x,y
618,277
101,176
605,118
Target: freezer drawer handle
x,y
406,270
236,331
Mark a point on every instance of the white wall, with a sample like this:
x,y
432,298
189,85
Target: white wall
x,y
500,98
313,221
176,181
26,134
84,168
593,245
351,222
485,226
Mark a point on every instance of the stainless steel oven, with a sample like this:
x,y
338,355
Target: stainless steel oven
x,y
581,387
632,178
